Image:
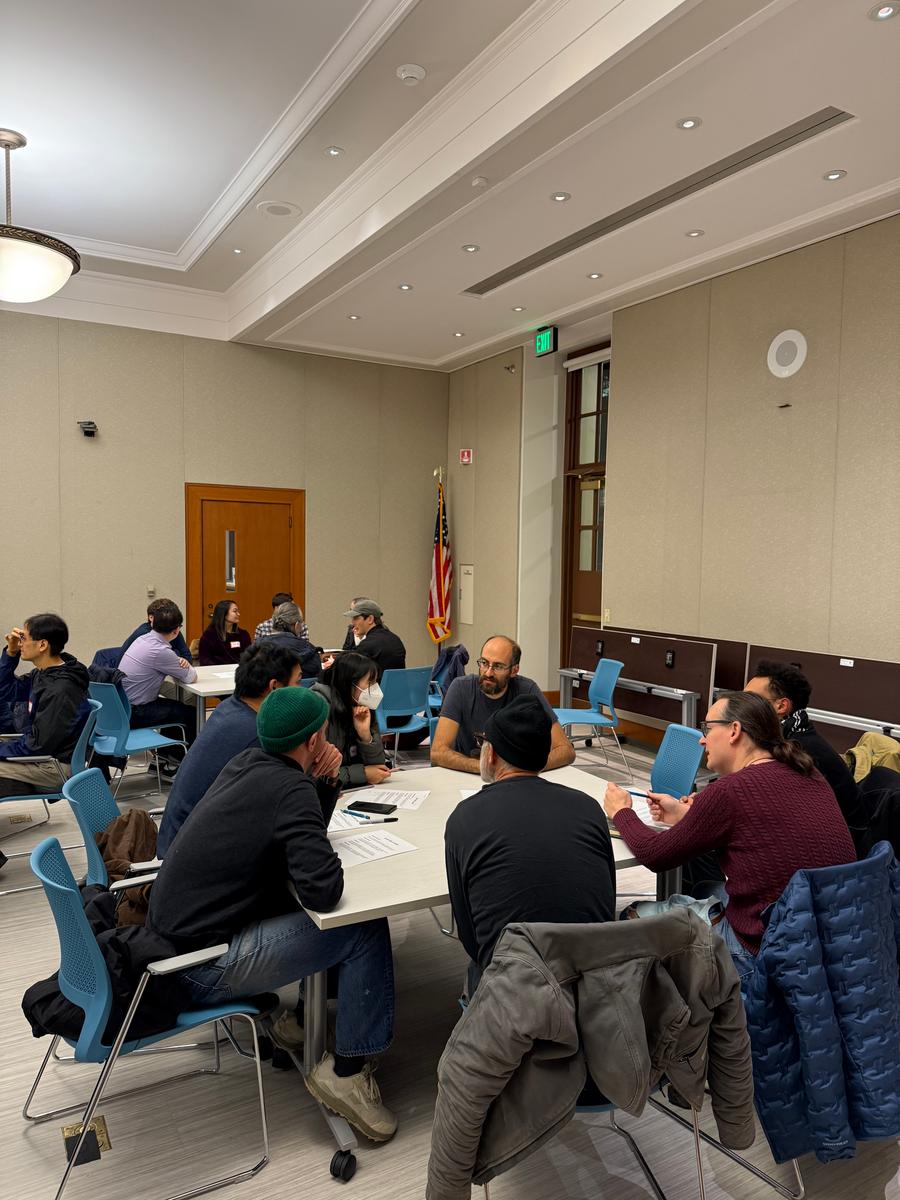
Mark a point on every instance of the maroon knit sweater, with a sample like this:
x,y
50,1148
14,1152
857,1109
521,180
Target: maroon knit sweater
x,y
765,822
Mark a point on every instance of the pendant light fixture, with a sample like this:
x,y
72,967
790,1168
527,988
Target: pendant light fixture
x,y
33,265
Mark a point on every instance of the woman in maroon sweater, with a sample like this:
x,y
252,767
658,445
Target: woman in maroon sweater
x,y
770,814
223,640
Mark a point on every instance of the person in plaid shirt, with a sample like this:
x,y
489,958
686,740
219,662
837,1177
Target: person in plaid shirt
x,y
264,628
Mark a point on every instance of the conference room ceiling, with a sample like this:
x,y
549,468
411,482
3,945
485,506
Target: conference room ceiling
x,y
156,132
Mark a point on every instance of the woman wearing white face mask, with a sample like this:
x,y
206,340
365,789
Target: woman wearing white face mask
x,y
351,688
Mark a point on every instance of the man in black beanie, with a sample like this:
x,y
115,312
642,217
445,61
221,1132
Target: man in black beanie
x,y
524,848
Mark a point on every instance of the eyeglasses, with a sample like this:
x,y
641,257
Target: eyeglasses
x,y
704,725
483,664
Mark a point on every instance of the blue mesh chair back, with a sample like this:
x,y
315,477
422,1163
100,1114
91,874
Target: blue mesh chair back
x,y
600,693
79,754
83,977
113,720
677,760
405,695
94,808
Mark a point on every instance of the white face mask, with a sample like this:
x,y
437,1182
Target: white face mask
x,y
370,697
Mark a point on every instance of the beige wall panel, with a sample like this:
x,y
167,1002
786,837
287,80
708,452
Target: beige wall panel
x,y
122,513
865,611
413,441
29,497
486,414
540,553
655,460
769,487
244,414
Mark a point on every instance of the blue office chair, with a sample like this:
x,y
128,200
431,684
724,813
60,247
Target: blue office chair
x,y
95,808
676,762
114,736
600,695
405,695
84,981
79,758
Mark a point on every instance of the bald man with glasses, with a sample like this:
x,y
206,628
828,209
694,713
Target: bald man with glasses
x,y
472,699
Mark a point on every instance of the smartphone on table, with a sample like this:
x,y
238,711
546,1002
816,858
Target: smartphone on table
x,y
369,806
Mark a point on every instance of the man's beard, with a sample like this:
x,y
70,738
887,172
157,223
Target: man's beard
x,y
489,687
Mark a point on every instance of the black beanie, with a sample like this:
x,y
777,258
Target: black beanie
x,y
520,733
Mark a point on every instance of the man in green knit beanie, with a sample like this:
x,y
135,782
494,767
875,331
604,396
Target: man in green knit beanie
x,y
261,827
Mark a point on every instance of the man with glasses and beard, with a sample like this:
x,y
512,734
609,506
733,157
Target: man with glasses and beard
x,y
471,700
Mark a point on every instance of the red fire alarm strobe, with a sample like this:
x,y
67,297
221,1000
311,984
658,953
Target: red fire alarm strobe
x,y
465,458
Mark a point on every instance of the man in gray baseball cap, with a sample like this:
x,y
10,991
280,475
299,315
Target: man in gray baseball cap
x,y
375,640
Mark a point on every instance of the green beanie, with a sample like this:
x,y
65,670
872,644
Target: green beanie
x,y
288,716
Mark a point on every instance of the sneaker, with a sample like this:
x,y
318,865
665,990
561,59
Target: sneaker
x,y
355,1098
287,1032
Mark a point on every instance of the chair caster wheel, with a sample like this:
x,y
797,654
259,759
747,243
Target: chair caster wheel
x,y
343,1165
588,742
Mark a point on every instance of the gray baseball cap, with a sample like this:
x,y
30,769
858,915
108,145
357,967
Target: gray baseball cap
x,y
364,608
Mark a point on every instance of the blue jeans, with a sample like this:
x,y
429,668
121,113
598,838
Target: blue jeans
x,y
743,960
281,950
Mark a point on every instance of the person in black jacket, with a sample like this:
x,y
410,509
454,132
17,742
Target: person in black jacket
x,y
53,699
376,641
261,827
287,627
788,691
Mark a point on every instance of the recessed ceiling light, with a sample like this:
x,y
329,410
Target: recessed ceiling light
x,y
236,251
519,308
560,197
595,275
695,233
831,176
470,248
278,208
459,334
405,287
884,12
411,74
334,151
688,123
352,316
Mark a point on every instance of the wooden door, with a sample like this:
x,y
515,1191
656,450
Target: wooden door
x,y
243,544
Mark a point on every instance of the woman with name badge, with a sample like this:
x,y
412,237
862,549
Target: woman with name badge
x,y
351,688
223,640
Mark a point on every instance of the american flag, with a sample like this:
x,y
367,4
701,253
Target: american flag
x,y
441,576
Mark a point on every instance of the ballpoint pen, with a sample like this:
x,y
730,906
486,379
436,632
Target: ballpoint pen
x,y
361,816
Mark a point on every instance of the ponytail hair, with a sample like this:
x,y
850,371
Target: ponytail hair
x,y
760,724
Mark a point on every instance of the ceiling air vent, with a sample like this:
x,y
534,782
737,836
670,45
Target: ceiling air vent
x,y
740,160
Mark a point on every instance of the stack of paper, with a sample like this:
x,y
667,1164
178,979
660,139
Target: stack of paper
x,y
366,847
409,801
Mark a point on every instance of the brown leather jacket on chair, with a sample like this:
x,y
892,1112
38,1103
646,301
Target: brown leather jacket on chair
x,y
628,1000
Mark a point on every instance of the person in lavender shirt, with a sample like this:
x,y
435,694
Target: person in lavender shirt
x,y
146,663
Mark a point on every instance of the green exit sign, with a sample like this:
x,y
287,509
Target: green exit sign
x,y
545,341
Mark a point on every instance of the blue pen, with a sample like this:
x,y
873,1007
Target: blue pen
x,y
351,812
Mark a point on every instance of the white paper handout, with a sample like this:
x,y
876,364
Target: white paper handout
x,y
223,674
405,800
366,847
467,792
341,820
641,809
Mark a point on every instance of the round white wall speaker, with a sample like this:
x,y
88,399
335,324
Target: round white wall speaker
x,y
787,353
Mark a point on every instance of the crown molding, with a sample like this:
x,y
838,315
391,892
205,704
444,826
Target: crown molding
x,y
135,303
371,27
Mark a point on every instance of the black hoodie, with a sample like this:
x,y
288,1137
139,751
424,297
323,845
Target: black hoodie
x,y
55,706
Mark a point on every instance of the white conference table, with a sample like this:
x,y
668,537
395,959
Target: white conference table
x,y
407,882
216,680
